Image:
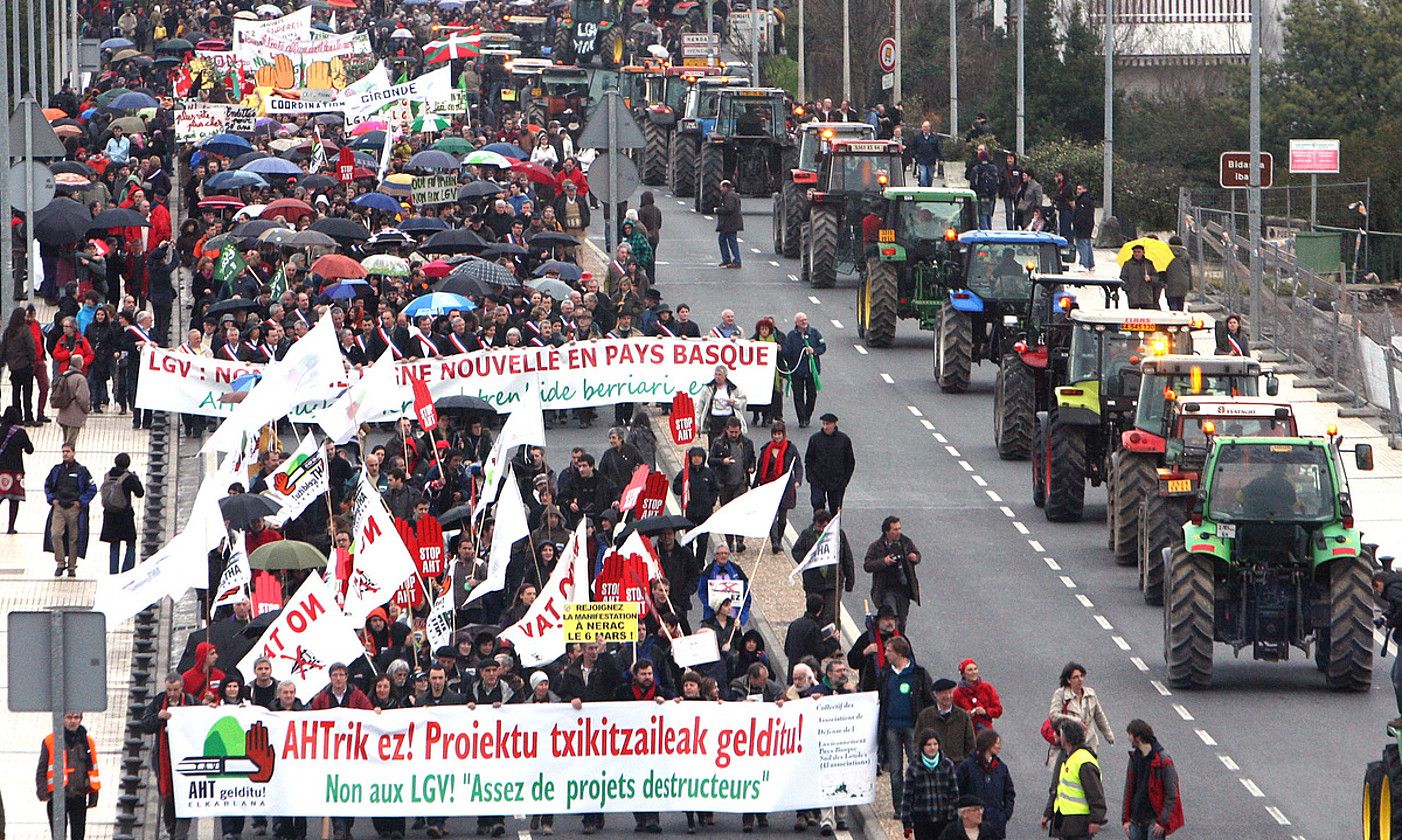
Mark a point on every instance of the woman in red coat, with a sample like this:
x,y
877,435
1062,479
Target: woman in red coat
x,y
977,696
72,343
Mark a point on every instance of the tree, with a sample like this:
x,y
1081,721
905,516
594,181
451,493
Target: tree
x,y
1064,74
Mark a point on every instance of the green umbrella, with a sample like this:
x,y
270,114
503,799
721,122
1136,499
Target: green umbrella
x,y
106,97
453,146
287,554
175,45
131,125
431,122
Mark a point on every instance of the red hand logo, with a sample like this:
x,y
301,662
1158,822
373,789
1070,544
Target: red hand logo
x,y
259,751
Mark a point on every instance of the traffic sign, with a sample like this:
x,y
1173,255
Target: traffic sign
x,y
596,131
31,172
71,641
625,177
1314,157
886,54
1234,170
888,81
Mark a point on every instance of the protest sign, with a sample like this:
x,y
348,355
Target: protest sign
x,y
612,622
296,25
696,649
299,480
435,189
578,375
201,120
432,86
306,639
525,759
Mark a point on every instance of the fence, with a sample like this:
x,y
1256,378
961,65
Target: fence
x,y
1338,336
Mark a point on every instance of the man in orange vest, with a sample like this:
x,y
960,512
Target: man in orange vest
x,y
80,781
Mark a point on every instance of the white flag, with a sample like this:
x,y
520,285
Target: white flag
x,y
825,552
750,515
234,583
299,481
511,525
439,625
375,392
539,637
380,561
387,151
525,426
306,639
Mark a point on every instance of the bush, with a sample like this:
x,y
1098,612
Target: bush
x,y
1146,195
780,71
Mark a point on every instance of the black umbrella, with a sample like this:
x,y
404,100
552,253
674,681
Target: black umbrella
x,y
341,229
70,166
246,158
228,638
433,160
653,525
423,224
568,272
317,181
479,189
242,508
455,516
486,272
256,227
260,624
233,304
454,241
63,220
118,217
551,238
464,402
463,286
498,249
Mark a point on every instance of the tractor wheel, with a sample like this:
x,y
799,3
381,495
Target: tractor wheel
x,y
793,218
878,303
709,174
1066,471
1189,607
683,166
1377,789
805,235
822,248
1040,456
1014,409
1134,479
654,168
563,48
611,49
954,350
1350,625
776,222
1160,525
1389,802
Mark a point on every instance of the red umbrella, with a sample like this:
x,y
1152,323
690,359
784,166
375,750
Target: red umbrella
x,y
361,172
537,172
290,209
338,266
220,201
437,269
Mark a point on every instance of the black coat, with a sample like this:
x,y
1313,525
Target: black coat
x,y
829,460
805,638
729,219
1083,216
602,685
702,489
119,524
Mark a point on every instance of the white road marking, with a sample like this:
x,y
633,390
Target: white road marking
x,y
754,250
941,438
992,495
1104,623
1120,642
1226,760
1085,602
1068,582
951,450
1252,788
1036,546
1209,740
1052,564
1182,711
886,377
913,410
774,263
742,242
679,201
836,324
814,301
1007,511
1021,529
967,467
860,349
709,218
1139,663
1162,689
1277,815
793,277
929,427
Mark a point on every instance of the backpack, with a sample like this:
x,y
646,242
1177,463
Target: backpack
x,y
986,180
60,395
111,492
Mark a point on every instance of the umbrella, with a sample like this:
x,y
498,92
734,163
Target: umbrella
x,y
486,272
369,140
654,525
290,209
557,289
434,160
503,249
341,229
71,180
220,202
132,101
257,227
456,241
317,181
459,285
423,224
536,172
368,126
402,33
436,269
510,150
377,201
246,158
283,144
464,402
285,554
242,508
276,235
399,185
437,303
72,166
67,132
478,189
309,239
62,220
453,516
329,119
385,264
453,146
337,266
175,45
115,44
273,166
124,55
430,122
390,238
226,145
568,271
1156,251
269,9
483,157
347,289
234,304
365,160
234,179
227,637
550,238
118,217
131,125
52,114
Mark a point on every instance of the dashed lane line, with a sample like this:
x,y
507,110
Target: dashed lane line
x,y
1068,582
1085,602
1104,622
836,324
813,300
886,377
1052,564
929,427
915,411
992,494
1120,642
1036,546
1007,511
1183,711
793,277
1139,663
860,349
774,263
966,466
1021,529
941,438
1161,689
1226,760
952,451
1276,815
1252,788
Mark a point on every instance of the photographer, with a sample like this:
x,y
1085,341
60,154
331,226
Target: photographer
x,y
891,560
1388,587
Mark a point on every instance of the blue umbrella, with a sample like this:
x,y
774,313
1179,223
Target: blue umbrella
x,y
510,150
235,179
438,303
274,166
347,289
423,224
132,101
227,145
568,272
370,139
377,201
365,160
115,44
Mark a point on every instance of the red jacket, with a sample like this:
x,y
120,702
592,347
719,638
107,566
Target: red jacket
x,y
577,176
968,695
80,347
355,699
200,685
253,540
39,353
1160,766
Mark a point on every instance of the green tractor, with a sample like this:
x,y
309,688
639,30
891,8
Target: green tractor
x,y
1093,398
1382,790
750,144
1270,559
590,28
791,201
852,175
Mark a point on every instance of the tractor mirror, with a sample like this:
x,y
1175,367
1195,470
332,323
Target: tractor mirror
x,y
1272,385
1363,456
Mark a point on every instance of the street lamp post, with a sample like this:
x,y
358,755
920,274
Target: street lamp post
x,y
953,72
1108,188
1021,79
1253,196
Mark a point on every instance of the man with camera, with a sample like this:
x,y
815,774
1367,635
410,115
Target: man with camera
x,y
891,560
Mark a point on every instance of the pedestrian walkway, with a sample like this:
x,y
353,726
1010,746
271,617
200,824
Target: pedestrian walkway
x,y
27,584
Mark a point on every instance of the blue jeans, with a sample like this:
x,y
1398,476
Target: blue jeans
x,y
900,748
729,247
925,174
1140,831
985,213
113,556
1010,211
1086,251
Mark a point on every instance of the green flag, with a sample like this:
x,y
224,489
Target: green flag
x,y
229,266
278,284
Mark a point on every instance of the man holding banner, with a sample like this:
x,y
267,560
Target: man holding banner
x,y
825,561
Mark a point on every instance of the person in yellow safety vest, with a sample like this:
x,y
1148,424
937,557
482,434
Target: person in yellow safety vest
x,y
1076,802
80,780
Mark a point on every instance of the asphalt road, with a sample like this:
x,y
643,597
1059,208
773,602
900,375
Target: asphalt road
x,y
1268,752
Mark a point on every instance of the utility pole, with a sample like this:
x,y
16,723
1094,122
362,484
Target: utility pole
x,y
802,63
1107,200
1253,195
847,50
754,44
1021,79
7,241
42,49
953,71
896,88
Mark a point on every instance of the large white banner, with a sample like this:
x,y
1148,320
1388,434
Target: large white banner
x,y
296,26
525,759
539,637
380,561
577,375
302,478
429,87
306,639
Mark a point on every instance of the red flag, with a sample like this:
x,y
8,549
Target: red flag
x,y
345,165
629,498
430,542
654,494
423,405
683,419
267,593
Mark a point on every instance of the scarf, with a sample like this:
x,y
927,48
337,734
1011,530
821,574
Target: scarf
x,y
930,763
644,695
771,463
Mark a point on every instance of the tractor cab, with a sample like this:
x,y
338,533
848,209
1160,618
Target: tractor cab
x,y
749,144
751,114
865,168
1169,382
533,30
814,138
633,85
1107,346
703,102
